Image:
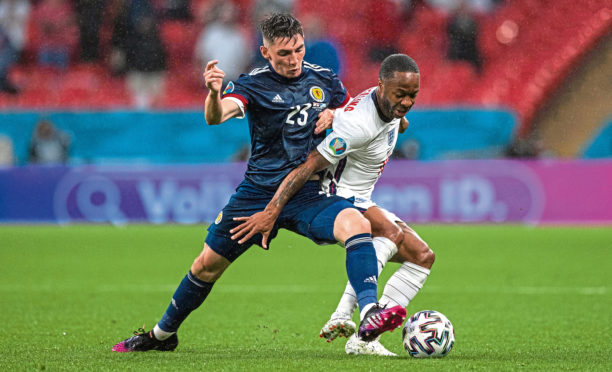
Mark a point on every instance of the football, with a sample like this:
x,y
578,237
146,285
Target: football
x,y
428,334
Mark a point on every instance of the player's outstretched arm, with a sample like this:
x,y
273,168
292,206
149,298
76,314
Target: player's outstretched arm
x,y
216,111
263,222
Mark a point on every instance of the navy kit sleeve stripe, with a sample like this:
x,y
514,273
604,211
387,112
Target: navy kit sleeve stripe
x,y
239,97
346,100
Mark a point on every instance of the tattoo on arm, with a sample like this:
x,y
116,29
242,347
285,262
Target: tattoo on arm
x,y
296,179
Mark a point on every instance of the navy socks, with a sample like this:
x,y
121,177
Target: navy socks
x,y
189,295
362,268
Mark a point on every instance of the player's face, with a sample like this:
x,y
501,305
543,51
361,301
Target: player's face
x,y
285,55
398,93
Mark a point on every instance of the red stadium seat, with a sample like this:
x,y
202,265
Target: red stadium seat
x,y
179,40
552,37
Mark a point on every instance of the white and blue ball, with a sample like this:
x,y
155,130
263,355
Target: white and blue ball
x,y
428,334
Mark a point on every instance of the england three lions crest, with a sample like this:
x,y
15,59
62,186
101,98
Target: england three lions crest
x,y
317,94
391,137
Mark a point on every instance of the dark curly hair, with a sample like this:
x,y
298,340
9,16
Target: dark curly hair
x,y
280,25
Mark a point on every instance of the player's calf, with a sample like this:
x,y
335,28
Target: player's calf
x,y
414,249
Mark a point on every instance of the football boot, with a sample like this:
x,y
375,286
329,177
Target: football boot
x,y
356,346
145,341
339,325
380,319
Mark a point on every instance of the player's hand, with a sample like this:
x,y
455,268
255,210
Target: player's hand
x,y
403,125
326,117
213,76
259,223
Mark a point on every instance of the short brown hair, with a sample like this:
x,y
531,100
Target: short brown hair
x,y
280,25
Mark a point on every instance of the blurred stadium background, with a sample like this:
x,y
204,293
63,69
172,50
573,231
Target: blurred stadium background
x,y
95,83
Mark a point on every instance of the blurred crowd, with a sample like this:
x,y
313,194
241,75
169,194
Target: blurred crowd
x,y
126,38
48,145
147,54
126,35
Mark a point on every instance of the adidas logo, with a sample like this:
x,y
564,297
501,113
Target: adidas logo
x,y
370,279
277,99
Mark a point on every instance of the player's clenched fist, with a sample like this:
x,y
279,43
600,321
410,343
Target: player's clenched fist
x,y
326,117
213,76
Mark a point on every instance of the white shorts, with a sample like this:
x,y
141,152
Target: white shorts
x,y
365,205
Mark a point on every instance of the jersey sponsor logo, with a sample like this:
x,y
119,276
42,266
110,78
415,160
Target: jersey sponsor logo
x,y
338,146
229,88
219,218
317,94
278,99
319,106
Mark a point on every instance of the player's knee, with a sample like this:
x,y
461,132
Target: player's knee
x,y
415,251
350,222
425,256
356,223
205,269
204,272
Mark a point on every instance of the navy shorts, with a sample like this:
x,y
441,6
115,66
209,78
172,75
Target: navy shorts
x,y
309,213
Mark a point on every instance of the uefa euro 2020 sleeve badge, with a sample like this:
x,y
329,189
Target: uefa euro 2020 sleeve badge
x,y
338,146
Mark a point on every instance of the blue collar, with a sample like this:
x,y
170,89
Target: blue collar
x,y
378,110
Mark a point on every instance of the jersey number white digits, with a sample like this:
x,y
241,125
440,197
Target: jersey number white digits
x,y
302,119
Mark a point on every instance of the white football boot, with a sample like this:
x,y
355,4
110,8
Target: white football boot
x,y
356,346
339,325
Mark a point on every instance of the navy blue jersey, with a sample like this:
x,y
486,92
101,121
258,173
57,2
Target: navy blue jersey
x,y
282,114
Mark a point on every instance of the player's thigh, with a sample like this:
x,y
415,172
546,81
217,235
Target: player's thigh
x,y
245,202
384,224
313,214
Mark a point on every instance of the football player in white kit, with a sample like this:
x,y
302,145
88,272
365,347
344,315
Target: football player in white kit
x,y
354,155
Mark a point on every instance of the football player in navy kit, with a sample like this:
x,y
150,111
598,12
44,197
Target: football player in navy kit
x,y
284,101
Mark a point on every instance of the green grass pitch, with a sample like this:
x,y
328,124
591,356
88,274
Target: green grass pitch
x,y
520,298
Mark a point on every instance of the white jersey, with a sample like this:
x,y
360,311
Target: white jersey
x,y
358,148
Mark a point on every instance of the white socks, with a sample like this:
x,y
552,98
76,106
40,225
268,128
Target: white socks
x,y
401,287
385,249
365,310
404,284
160,334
